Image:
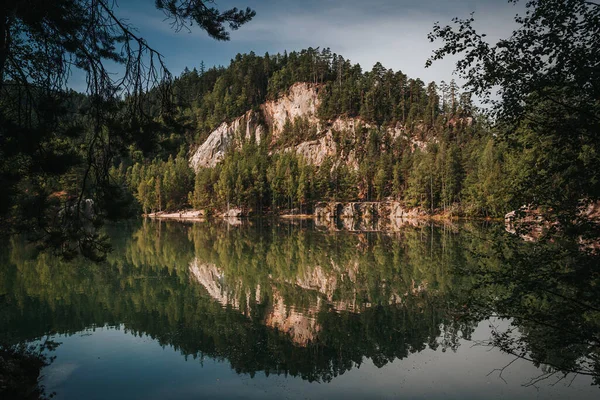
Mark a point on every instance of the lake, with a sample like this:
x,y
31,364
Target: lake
x,y
263,309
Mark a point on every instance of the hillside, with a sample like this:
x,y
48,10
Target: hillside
x,y
302,102
279,134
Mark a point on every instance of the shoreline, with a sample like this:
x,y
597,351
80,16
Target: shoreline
x,y
198,216
193,215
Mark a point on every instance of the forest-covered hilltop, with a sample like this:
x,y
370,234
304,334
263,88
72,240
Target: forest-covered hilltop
x,y
127,143
378,135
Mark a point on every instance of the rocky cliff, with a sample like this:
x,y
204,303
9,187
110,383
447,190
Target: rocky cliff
x,y
212,151
533,223
301,101
389,216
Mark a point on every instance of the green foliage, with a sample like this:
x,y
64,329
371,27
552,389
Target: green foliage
x,y
152,284
396,115
159,185
547,120
296,132
549,112
420,189
487,188
255,181
205,99
21,365
57,147
367,295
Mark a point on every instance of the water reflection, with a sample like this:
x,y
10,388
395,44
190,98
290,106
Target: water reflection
x,y
301,301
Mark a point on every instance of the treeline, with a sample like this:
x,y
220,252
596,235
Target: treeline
x,y
252,179
423,145
381,96
474,180
158,185
386,98
469,174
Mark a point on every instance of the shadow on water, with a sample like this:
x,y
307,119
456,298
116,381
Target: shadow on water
x,y
302,301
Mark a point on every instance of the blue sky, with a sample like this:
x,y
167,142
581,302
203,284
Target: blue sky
x,y
393,32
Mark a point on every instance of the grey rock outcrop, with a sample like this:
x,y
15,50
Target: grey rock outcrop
x,y
367,210
212,151
233,213
323,211
316,151
302,100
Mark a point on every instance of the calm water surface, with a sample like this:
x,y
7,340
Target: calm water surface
x,y
279,310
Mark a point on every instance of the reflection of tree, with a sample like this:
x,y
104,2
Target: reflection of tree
x,y
20,366
146,286
20,363
550,290
369,268
313,304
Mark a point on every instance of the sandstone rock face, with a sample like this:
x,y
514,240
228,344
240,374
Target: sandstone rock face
x,y
368,211
367,216
209,276
350,211
302,100
398,211
532,223
316,151
212,151
529,223
323,211
592,211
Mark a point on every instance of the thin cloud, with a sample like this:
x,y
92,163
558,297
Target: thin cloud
x,y
399,41
391,32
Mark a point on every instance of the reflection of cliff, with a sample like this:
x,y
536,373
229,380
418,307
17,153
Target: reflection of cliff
x,y
301,327
271,298
284,300
299,323
212,279
317,279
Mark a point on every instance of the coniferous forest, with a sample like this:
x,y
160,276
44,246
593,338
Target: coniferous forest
x,y
325,148
461,166
521,131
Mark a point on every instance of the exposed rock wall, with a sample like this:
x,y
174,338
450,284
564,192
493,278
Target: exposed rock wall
x,y
212,151
532,223
366,210
301,101
209,276
316,151
301,327
388,216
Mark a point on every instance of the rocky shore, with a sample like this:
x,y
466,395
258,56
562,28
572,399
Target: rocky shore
x,y
347,212
190,215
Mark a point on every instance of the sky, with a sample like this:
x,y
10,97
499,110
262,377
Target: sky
x,y
393,32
